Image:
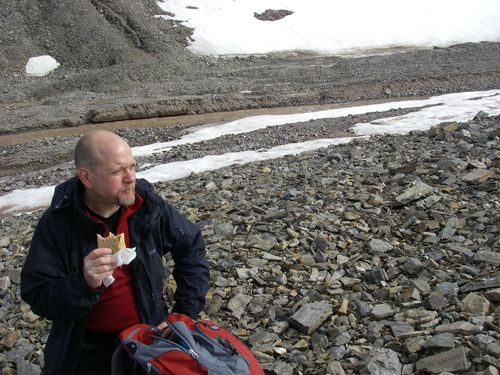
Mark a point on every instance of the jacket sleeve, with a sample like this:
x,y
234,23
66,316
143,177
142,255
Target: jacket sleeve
x,y
49,285
191,271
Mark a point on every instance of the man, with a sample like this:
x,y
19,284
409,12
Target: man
x,y
62,278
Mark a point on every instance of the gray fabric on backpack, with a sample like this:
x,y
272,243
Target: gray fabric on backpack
x,y
217,356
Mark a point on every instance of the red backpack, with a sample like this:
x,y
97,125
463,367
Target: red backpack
x,y
192,348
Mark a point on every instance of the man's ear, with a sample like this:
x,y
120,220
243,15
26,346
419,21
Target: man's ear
x,y
84,176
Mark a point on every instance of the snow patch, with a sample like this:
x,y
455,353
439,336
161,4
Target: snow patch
x,y
41,65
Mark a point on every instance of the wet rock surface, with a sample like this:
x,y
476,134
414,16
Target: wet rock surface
x,y
375,257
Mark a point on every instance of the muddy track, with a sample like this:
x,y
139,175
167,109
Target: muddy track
x,y
140,91
41,150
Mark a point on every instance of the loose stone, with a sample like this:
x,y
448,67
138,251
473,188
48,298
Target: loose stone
x,y
417,191
310,316
382,362
440,341
461,327
451,360
475,304
381,311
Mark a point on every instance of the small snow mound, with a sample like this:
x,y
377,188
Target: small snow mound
x,y
41,65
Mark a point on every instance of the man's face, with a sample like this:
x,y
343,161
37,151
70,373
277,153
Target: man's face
x,y
113,181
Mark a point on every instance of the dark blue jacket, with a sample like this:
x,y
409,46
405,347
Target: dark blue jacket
x,y
52,281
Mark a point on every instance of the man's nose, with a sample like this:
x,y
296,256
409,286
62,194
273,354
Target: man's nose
x,y
129,175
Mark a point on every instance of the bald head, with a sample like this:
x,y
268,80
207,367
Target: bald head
x,y
95,147
106,168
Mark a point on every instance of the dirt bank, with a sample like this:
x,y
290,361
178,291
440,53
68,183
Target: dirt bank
x,y
119,62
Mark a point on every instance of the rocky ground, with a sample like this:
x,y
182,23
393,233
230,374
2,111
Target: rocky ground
x,y
376,257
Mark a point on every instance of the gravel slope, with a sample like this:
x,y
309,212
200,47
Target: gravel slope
x,y
378,256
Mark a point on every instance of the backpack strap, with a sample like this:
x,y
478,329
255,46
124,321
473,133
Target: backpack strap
x,y
177,317
121,362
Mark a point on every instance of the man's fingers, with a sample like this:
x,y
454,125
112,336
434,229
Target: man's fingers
x,y
99,270
166,330
99,258
162,325
167,333
105,260
97,253
97,265
95,276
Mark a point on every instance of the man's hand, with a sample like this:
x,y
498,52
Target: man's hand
x,y
166,330
97,266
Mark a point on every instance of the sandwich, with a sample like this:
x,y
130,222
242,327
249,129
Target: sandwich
x,y
115,243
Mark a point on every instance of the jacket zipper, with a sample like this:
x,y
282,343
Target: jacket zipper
x,y
138,247
139,239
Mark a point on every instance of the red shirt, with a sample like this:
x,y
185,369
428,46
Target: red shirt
x,y
117,307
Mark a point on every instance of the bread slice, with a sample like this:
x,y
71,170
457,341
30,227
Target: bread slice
x,y
112,242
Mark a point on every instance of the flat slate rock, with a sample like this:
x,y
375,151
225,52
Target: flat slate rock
x,y
310,316
481,285
450,361
417,191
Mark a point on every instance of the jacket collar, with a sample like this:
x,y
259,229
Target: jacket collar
x,y
69,193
